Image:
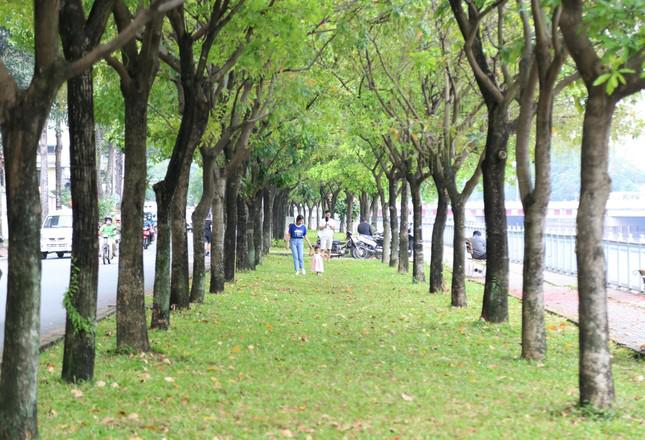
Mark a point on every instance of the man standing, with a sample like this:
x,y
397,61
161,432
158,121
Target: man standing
x,y
326,234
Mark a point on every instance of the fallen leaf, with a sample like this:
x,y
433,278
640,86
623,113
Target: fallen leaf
x,y
77,393
407,397
133,416
114,385
100,384
286,433
169,379
50,368
107,421
144,377
236,349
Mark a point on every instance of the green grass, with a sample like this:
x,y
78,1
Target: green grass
x,y
359,353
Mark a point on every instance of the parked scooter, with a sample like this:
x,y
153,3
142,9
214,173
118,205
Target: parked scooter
x,y
363,246
147,236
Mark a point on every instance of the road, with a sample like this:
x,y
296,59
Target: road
x,y
55,279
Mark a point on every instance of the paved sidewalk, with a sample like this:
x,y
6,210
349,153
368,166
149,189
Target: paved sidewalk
x,y
626,309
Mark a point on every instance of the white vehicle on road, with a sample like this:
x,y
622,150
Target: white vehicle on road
x,y
56,233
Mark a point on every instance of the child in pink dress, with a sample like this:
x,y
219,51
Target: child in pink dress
x,y
317,264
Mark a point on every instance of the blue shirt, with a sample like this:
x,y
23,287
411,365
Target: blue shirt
x,y
297,232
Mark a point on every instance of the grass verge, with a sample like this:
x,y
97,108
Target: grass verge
x,y
359,353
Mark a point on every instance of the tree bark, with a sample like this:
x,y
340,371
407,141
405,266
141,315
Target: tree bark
x,y
44,175
118,183
364,205
268,197
418,273
387,232
374,212
258,239
596,382
230,235
18,382
349,200
98,131
198,218
59,166
132,333
242,246
109,172
394,221
79,350
436,256
495,303
458,286
217,245
161,290
179,275
403,230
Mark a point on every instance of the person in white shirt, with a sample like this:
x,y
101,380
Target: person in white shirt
x,y
326,234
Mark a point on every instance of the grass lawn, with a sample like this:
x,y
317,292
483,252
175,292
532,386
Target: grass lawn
x,y
358,353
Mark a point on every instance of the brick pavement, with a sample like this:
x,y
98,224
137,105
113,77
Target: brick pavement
x,y
626,309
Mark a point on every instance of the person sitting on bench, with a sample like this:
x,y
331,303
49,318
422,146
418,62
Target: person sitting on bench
x,y
478,246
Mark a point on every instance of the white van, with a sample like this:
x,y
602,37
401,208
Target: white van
x,y
56,233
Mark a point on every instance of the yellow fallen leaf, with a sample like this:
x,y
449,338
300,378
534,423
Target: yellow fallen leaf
x,y
236,349
169,379
133,416
76,393
407,397
286,433
100,383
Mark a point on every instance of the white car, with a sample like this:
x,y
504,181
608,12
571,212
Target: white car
x,y
56,233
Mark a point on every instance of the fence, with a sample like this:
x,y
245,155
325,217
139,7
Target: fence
x,y
624,255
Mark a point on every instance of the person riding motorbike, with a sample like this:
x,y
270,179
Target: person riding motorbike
x,y
109,230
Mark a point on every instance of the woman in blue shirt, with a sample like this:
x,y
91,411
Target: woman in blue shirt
x,y
297,234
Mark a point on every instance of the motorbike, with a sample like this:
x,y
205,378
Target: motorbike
x,y
147,236
106,251
364,246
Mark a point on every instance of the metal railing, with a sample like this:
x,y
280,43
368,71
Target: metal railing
x,y
624,254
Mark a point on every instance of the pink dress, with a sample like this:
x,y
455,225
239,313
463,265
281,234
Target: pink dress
x,y
317,264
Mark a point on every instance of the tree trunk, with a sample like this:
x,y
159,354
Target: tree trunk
x,y
243,243
99,158
59,166
596,382
436,256
418,273
179,275
495,304
364,205
310,216
161,290
394,222
258,231
199,218
44,175
79,351
18,379
131,331
374,212
387,237
217,245
230,236
268,197
458,286
403,230
118,180
109,172
350,211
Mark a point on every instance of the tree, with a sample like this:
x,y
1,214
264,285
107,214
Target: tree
x,y
608,77
80,35
23,113
498,94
